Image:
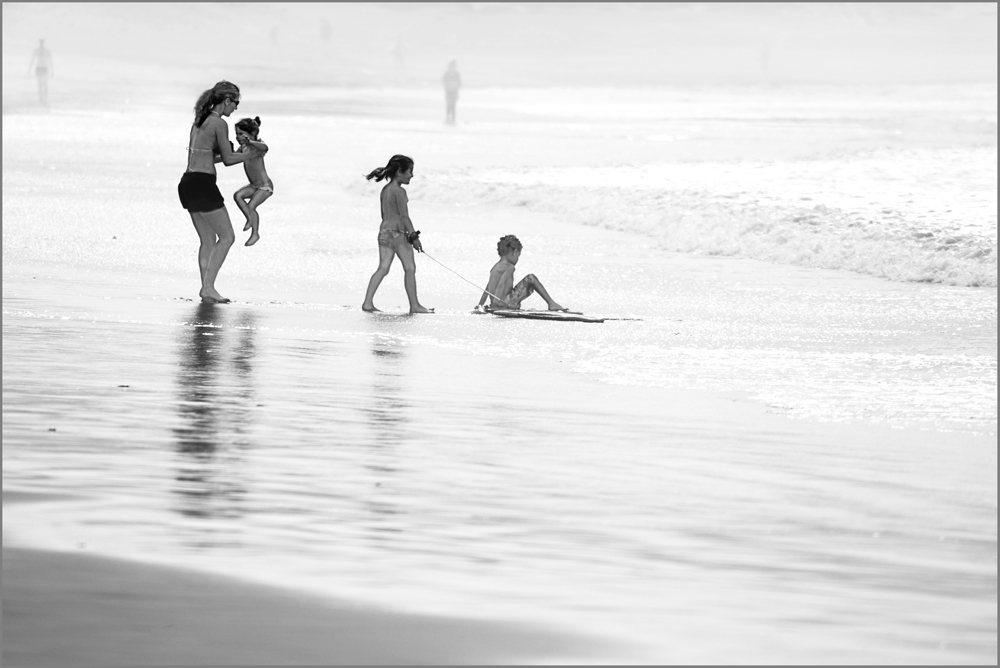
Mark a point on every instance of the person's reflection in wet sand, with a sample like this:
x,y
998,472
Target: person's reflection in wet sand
x,y
387,416
215,401
387,402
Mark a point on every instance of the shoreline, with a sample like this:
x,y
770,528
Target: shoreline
x,y
62,608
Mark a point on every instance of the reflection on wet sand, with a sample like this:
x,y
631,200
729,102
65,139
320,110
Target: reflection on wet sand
x,y
387,413
215,398
387,416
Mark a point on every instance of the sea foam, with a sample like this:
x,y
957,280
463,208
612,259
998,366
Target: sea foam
x,y
926,215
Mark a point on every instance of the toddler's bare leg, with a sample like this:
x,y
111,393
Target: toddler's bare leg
x,y
253,221
241,196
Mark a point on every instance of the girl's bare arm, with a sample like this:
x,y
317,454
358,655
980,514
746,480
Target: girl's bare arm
x,y
404,210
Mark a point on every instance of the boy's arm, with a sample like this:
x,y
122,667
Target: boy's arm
x,y
496,276
491,285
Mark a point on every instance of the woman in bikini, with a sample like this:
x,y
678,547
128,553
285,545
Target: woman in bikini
x,y
208,144
396,236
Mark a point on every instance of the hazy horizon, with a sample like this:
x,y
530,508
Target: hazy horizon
x,y
506,44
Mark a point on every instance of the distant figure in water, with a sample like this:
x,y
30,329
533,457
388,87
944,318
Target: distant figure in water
x,y
501,283
41,61
396,235
249,197
208,144
452,82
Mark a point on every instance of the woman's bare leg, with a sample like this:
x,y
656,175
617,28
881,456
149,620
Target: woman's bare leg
x,y
385,256
207,238
217,237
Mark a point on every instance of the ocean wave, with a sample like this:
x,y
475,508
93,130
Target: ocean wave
x,y
890,228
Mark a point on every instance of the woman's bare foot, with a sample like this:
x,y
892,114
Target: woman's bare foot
x,y
370,308
420,309
555,307
247,226
254,238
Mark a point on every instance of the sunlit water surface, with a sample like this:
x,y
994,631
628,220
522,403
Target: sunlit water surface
x,y
751,461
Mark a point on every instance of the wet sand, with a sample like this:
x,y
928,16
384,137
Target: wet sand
x,y
76,609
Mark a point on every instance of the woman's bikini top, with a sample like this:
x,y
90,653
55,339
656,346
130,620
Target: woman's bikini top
x,y
191,141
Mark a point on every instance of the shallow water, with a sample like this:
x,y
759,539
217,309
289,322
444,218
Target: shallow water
x,y
766,461
351,459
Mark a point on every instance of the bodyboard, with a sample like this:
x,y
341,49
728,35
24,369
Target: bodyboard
x,y
570,316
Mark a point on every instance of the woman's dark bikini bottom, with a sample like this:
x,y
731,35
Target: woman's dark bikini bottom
x,y
199,193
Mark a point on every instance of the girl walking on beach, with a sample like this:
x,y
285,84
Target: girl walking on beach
x,y
249,197
209,143
396,236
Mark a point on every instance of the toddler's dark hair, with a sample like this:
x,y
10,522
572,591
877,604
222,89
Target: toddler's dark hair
x,y
397,163
249,125
508,244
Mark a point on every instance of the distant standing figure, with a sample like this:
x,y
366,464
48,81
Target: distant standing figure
x,y
452,82
249,197
41,62
208,144
396,236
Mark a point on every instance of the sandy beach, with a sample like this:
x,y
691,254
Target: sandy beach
x,y
69,610
780,447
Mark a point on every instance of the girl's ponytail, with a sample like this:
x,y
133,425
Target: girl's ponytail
x,y
396,164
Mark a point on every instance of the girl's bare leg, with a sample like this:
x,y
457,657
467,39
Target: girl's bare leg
x,y
254,221
217,237
405,252
385,256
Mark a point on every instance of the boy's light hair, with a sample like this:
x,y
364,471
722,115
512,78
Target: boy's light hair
x,y
508,244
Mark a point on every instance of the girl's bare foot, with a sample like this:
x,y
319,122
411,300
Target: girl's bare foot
x,y
420,309
247,226
555,307
254,238
212,297
370,308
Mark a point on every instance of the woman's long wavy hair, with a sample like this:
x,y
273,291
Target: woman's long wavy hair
x,y
212,97
397,163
